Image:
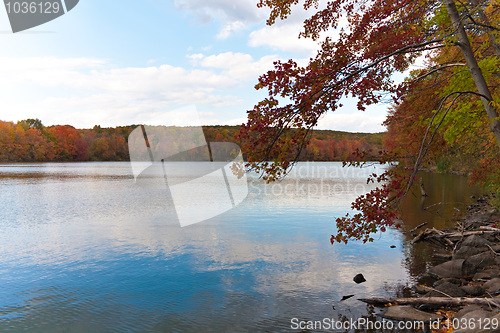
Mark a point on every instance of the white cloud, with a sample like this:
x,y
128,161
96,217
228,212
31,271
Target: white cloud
x,y
84,92
358,121
239,66
233,15
282,37
230,28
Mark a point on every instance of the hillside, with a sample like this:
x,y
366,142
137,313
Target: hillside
x,y
30,141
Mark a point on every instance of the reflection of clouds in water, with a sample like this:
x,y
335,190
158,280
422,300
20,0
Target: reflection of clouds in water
x,y
277,265
318,192
269,255
317,184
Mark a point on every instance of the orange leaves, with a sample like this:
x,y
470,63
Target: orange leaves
x,y
380,38
30,141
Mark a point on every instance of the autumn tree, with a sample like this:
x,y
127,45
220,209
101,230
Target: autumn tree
x,y
376,39
31,123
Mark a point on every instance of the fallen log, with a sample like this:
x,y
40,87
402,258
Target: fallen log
x,y
441,301
489,228
469,233
433,233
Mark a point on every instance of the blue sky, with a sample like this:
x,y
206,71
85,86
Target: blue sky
x,y
112,63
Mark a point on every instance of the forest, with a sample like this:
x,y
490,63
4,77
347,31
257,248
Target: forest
x,y
30,141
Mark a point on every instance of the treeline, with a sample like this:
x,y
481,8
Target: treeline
x,y
30,141
324,145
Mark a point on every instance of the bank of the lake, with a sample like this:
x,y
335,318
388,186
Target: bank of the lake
x,y
459,292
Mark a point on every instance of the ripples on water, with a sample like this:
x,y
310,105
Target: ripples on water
x,y
84,248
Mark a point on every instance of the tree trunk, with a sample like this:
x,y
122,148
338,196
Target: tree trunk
x,y
477,74
493,38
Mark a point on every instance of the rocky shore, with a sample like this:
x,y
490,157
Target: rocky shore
x,y
462,292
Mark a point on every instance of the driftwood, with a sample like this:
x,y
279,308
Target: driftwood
x,y
441,301
434,234
417,227
446,236
489,228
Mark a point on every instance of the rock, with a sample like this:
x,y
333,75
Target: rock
x,y
481,276
477,314
493,286
420,289
466,309
406,312
473,290
449,269
359,278
346,297
470,246
446,289
480,219
393,246
449,280
478,262
492,272
442,256
476,317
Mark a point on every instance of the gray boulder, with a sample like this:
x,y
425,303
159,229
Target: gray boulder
x,y
478,262
406,312
470,246
473,290
449,269
446,289
493,286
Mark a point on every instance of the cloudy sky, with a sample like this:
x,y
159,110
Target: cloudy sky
x,y
111,63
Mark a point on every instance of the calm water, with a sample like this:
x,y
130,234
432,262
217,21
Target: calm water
x,y
85,248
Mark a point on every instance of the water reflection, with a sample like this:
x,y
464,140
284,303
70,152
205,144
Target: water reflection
x,y
447,200
84,248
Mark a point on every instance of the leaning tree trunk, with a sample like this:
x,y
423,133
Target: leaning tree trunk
x,y
477,74
494,40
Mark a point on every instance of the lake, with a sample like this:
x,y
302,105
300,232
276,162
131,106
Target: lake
x,y
86,248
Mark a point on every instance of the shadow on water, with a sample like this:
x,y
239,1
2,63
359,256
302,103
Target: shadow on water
x,y
446,202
